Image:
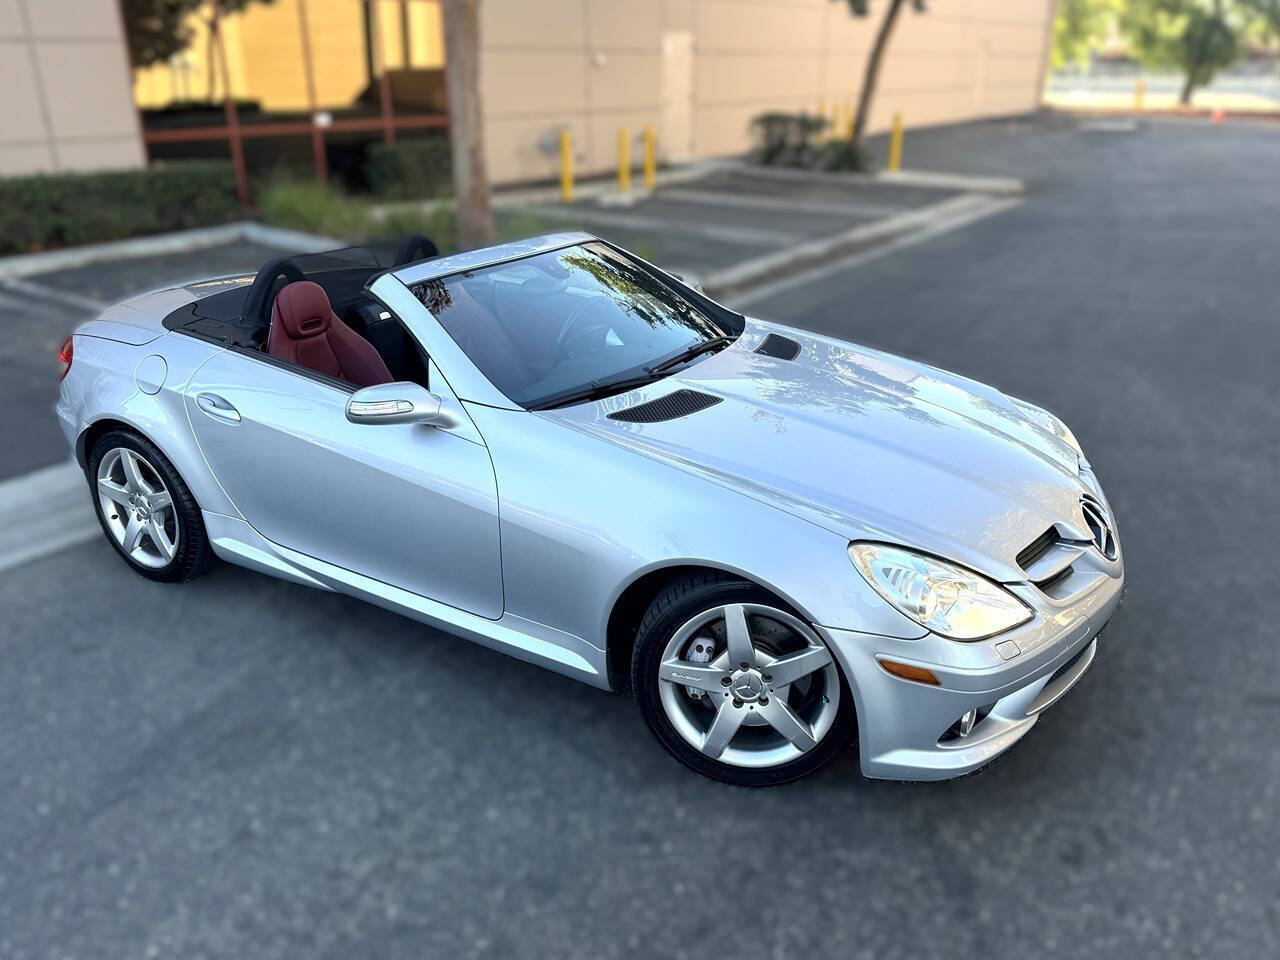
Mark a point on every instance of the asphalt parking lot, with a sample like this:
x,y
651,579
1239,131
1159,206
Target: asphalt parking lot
x,y
733,215
243,768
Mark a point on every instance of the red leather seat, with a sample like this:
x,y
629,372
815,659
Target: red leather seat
x,y
306,331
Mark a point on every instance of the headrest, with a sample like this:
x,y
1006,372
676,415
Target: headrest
x,y
303,308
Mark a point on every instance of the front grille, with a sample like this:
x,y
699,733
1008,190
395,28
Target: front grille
x,y
1049,583
1037,548
1095,515
681,403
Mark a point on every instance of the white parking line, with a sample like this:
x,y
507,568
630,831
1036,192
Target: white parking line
x,y
971,214
747,201
635,221
788,260
64,297
43,512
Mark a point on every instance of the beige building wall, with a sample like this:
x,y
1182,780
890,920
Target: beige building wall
x,y
699,70
64,88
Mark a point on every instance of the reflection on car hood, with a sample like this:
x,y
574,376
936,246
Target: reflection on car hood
x,y
866,444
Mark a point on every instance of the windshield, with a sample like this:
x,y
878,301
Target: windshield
x,y
557,323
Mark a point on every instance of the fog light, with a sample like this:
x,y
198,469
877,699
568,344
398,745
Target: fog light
x,y
908,672
964,726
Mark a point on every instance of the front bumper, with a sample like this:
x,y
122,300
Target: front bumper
x,y
903,725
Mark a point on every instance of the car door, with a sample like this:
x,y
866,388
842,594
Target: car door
x,y
411,505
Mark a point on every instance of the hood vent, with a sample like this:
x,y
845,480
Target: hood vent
x,y
778,347
671,407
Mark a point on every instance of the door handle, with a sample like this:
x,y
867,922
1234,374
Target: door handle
x,y
215,406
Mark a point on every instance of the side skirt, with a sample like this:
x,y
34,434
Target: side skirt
x,y
237,542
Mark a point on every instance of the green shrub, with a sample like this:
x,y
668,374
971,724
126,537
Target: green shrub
x,y
313,206
791,140
842,155
43,211
787,139
321,208
410,169
438,223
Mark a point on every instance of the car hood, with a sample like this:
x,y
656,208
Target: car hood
x,y
866,444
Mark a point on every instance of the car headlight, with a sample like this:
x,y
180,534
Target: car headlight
x,y
940,596
1047,421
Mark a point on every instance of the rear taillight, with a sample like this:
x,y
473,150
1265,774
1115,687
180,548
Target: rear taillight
x,y
64,357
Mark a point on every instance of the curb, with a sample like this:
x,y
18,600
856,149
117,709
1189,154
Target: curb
x,y
813,253
43,512
990,206
931,179
1001,186
181,241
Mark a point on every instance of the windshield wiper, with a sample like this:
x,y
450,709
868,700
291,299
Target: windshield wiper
x,y
596,390
715,343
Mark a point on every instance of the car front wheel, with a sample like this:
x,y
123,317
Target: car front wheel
x,y
736,687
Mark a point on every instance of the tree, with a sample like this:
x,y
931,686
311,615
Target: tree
x,y
1268,14
1198,37
871,75
1078,28
156,29
466,121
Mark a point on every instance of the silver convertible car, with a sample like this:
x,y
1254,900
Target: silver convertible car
x,y
778,542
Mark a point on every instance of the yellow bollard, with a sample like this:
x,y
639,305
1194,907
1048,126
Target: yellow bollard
x,y
848,120
624,160
566,166
895,143
650,158
1139,89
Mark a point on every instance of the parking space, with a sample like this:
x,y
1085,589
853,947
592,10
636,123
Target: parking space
x,y
737,213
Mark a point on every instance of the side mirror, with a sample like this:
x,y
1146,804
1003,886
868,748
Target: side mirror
x,y
400,402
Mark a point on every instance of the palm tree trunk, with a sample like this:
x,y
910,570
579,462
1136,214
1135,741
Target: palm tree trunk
x,y
466,121
872,74
211,74
1188,86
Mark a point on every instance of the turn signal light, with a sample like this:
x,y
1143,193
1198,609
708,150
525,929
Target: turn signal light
x,y
908,672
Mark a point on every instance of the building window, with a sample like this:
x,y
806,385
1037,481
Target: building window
x,y
285,84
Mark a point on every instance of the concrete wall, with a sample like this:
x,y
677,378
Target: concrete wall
x,y
594,65
64,88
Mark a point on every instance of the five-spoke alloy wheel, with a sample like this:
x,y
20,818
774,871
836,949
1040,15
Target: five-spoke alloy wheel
x,y
146,510
138,508
737,687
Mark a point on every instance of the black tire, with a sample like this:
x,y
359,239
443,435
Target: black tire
x,y
680,601
194,554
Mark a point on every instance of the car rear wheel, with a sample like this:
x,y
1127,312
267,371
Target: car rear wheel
x,y
146,510
737,687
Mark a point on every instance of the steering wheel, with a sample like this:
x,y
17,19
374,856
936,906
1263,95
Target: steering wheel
x,y
579,327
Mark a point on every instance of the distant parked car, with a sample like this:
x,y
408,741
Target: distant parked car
x,y
778,542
